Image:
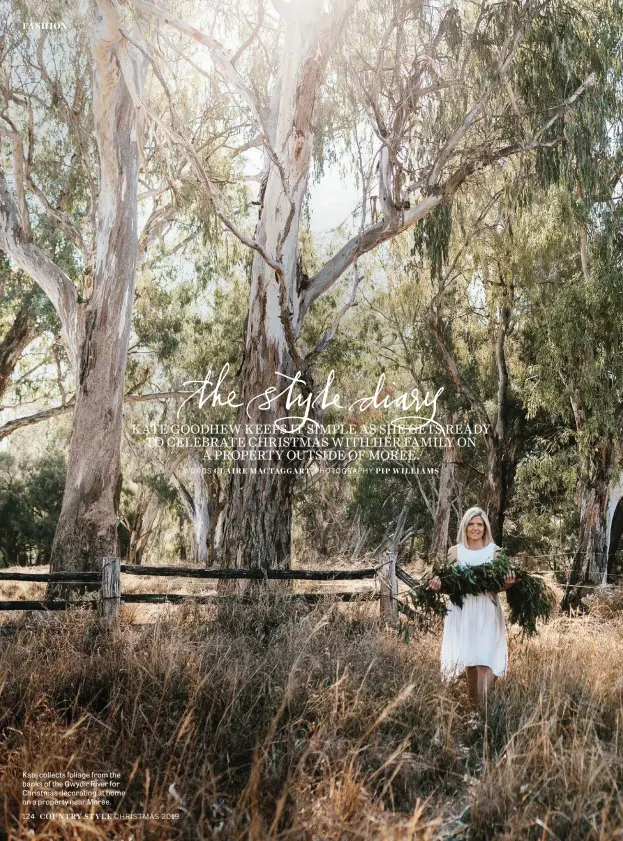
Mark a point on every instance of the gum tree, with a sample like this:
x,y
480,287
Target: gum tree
x,y
575,362
100,221
441,91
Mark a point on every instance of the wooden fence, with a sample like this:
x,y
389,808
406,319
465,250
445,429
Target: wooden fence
x,y
110,596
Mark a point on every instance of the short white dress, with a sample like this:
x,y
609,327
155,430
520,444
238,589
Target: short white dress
x,y
475,634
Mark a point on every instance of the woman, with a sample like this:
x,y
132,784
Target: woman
x,y
474,636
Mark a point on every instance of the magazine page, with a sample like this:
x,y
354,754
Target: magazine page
x,y
311,401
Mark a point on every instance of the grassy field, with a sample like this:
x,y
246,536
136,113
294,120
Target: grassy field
x,y
283,722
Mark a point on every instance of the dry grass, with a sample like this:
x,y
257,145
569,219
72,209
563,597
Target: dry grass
x,y
280,722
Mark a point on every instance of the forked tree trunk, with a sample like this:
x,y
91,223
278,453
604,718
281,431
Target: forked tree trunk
x,y
508,427
86,530
505,441
258,514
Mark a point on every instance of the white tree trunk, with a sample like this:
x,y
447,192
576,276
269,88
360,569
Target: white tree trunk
x,y
86,529
201,516
199,510
258,514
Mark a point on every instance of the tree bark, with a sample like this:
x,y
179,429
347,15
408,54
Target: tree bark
x,y
144,525
197,509
500,477
86,530
439,544
590,562
203,508
258,514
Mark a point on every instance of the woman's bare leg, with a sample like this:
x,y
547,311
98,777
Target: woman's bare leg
x,y
485,681
472,684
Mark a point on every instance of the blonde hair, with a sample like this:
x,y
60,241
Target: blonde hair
x,y
469,515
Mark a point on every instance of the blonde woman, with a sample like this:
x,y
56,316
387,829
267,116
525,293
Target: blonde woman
x,y
474,636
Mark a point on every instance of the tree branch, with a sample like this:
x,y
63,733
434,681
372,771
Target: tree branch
x,y
18,157
54,282
361,244
500,359
191,153
217,51
9,427
453,369
400,221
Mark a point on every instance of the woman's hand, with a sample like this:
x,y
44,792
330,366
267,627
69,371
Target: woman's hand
x,y
434,583
509,579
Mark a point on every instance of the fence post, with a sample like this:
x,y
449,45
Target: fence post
x,y
389,589
110,590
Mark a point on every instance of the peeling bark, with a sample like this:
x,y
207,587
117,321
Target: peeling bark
x,y
258,515
590,562
87,525
203,508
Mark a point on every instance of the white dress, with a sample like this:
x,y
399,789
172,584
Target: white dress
x,y
475,634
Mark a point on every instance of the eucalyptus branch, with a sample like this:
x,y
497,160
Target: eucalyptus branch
x,y
180,139
18,159
32,260
217,51
64,409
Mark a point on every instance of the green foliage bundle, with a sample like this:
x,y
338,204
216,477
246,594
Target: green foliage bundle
x,y
529,598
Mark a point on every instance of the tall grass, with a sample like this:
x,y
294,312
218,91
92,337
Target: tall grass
x,y
281,722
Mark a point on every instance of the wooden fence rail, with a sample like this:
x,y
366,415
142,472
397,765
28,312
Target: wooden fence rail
x,y
70,577
110,595
254,574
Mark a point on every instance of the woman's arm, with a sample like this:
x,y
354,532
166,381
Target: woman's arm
x,y
509,578
435,582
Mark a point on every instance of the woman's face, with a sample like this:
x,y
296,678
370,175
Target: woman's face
x,y
475,529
